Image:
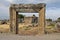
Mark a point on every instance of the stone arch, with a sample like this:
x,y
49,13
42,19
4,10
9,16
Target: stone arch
x,y
31,8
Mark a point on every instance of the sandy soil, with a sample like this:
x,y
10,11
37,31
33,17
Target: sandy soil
x,y
9,36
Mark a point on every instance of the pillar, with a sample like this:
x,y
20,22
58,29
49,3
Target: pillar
x,y
42,21
11,15
13,21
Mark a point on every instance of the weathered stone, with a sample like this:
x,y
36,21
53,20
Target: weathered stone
x,y
15,8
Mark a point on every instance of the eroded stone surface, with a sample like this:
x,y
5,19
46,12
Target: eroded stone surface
x,y
15,8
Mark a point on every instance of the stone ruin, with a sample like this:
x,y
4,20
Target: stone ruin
x,y
27,8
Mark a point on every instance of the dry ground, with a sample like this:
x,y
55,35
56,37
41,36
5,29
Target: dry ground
x,y
5,36
9,36
23,30
4,28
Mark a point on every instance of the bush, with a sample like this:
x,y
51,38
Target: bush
x,y
3,22
26,28
51,24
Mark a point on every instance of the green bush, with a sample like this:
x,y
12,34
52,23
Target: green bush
x,y
51,25
26,28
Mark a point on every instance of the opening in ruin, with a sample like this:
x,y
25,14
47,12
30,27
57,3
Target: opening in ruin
x,y
28,22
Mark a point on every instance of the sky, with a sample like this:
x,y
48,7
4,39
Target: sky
x,y
52,7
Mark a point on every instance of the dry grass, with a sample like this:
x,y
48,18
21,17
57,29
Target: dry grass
x,y
4,28
23,30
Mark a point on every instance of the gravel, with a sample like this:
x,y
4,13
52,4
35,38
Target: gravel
x,y
8,36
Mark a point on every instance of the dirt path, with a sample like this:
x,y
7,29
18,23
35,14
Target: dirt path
x,y
5,36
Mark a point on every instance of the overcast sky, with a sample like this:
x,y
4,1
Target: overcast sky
x,y
52,7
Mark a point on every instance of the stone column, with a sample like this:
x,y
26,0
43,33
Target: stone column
x,y
13,21
11,18
42,21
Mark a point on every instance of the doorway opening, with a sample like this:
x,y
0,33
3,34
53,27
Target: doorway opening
x,y
28,23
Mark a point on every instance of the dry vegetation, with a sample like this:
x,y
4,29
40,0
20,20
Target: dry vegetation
x,y
4,28
25,30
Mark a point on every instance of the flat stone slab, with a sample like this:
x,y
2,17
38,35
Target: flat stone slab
x,y
5,36
28,8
